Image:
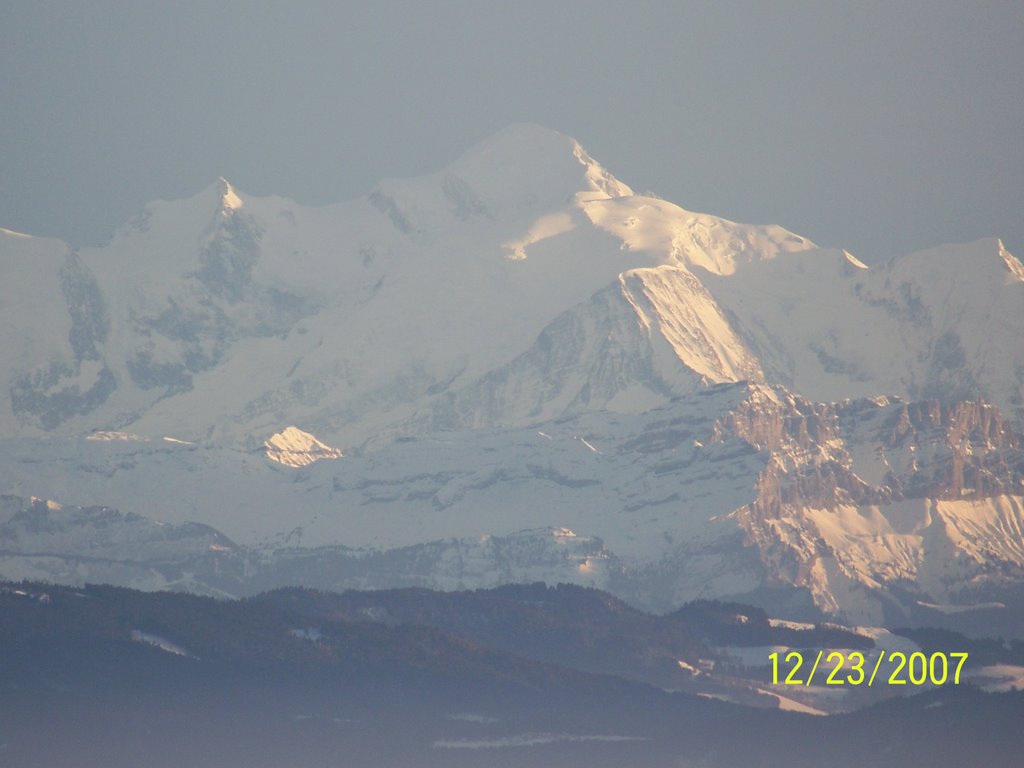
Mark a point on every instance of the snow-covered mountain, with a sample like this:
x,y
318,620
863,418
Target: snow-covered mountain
x,y
870,507
522,370
523,282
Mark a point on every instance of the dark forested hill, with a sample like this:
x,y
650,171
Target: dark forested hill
x,y
111,677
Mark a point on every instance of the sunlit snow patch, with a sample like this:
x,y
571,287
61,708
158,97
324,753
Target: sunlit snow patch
x,y
686,667
948,609
295,448
108,436
792,705
53,506
162,643
999,678
798,625
230,201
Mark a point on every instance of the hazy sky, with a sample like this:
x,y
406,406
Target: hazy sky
x,y
878,126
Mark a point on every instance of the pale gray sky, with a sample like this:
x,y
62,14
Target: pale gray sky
x,y
878,126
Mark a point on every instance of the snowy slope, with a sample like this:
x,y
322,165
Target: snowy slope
x,y
947,323
576,474
522,282
724,492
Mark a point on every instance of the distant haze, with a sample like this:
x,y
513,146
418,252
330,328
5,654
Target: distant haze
x,y
874,126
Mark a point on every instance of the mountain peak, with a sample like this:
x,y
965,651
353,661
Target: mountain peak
x,y
850,263
295,448
12,234
529,158
521,172
229,200
1013,264
981,262
519,139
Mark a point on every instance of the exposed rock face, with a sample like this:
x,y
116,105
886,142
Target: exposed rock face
x,y
943,513
977,455
928,449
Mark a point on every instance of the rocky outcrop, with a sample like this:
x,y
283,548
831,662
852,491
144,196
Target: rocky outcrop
x,y
863,496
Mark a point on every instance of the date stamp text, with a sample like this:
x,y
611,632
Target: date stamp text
x,y
854,668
